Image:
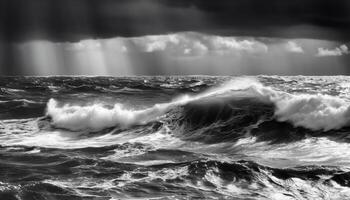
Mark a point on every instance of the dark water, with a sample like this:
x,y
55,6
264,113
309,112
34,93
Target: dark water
x,y
174,138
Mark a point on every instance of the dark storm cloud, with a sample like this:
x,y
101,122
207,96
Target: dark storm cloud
x,y
76,19
64,21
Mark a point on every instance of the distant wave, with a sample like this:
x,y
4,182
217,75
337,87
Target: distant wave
x,y
315,112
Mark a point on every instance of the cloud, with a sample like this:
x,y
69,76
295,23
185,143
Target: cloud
x,y
182,53
233,44
89,44
338,51
187,51
156,46
124,49
82,19
155,42
292,46
189,43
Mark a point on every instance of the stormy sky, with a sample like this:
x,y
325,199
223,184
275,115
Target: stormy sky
x,y
165,37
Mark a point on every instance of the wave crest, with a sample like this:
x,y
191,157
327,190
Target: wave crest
x,y
315,112
97,116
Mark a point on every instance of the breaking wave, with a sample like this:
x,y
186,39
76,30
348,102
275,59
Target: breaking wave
x,y
314,112
131,138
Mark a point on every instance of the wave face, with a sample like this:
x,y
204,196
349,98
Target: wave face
x,y
265,137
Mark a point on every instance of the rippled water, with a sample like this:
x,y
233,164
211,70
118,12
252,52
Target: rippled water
x,y
265,137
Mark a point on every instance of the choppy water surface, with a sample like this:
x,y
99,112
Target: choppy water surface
x,y
264,137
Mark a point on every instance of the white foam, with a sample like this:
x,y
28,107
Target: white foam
x,y
96,117
315,112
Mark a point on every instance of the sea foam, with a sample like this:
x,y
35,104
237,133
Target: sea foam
x,y
315,112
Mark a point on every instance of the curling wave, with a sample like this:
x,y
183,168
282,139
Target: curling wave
x,y
97,116
314,112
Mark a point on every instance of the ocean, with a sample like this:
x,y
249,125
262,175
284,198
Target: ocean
x,y
181,137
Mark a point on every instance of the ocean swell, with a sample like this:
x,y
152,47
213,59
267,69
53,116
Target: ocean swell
x,y
97,116
314,112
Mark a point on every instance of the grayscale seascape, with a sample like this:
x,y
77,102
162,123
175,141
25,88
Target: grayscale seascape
x,y
262,137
